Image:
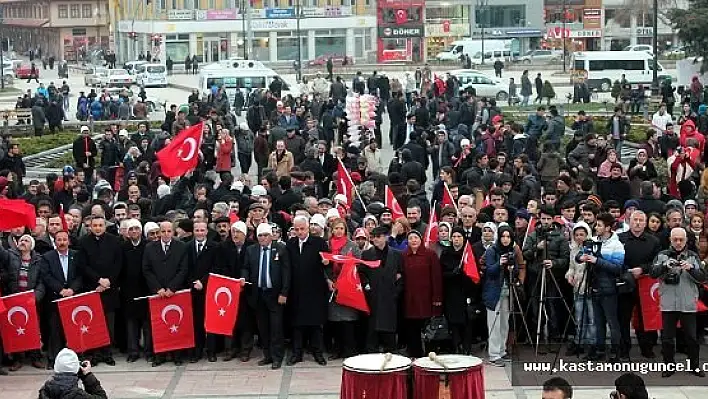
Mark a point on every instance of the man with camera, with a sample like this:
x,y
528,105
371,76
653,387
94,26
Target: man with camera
x,y
680,272
546,249
604,260
65,381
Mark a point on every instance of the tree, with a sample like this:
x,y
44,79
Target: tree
x,y
693,30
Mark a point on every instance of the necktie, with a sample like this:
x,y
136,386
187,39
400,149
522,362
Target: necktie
x,y
167,248
263,283
199,248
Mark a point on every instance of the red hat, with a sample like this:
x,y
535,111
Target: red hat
x,y
361,232
496,119
356,177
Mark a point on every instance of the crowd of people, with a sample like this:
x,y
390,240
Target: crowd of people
x,y
532,207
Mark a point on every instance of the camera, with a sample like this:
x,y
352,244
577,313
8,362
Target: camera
x,y
673,275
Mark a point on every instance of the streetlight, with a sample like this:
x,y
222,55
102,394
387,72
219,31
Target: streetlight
x,y
298,66
243,27
482,5
655,73
565,19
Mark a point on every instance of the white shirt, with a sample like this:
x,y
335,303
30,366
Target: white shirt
x,y
64,260
659,121
166,245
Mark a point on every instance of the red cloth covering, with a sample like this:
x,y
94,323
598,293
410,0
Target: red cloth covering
x,y
467,384
374,386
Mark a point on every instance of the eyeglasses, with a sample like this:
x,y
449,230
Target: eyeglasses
x,y
467,216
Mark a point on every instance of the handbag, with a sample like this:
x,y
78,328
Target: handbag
x,y
436,329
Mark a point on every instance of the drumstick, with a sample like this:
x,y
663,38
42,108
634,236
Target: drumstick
x,y
387,358
434,358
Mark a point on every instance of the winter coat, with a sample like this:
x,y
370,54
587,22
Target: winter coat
x,y
282,167
549,165
456,285
494,274
223,155
679,297
556,130
609,266
575,268
557,250
65,386
526,88
308,294
423,284
11,261
382,287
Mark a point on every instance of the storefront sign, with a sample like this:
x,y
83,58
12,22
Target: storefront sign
x,y
586,33
452,29
519,32
180,15
592,18
400,3
645,32
446,26
273,24
280,12
327,11
217,15
396,33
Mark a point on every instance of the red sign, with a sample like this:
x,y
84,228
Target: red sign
x,y
400,3
446,26
172,322
19,327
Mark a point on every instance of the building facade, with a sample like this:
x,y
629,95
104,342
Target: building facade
x,y
447,21
65,29
220,29
401,30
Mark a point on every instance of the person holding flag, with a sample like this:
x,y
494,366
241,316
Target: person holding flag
x,y
382,285
455,288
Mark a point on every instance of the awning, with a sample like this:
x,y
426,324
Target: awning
x,y
28,23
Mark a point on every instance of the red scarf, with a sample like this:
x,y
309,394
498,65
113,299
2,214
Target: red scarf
x,y
335,245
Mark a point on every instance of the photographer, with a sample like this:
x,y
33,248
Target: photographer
x,y
64,384
680,272
604,258
547,249
505,268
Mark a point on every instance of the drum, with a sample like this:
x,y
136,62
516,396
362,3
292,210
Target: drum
x,y
448,377
372,376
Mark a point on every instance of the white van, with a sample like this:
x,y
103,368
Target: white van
x,y
471,47
600,69
237,75
148,75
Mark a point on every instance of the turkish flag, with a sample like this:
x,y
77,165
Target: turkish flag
x,y
233,217
469,264
345,185
118,180
447,198
16,213
401,16
446,26
84,322
431,231
62,215
19,327
182,154
349,289
3,309
649,301
392,203
172,322
221,309
349,259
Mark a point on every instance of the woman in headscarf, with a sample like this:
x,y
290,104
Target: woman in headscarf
x,y
444,232
506,270
22,273
342,318
456,287
641,168
422,292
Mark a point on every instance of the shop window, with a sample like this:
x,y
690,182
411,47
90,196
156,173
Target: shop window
x,y
74,11
500,16
86,11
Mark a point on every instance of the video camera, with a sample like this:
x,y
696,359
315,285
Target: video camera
x,y
514,273
590,247
673,264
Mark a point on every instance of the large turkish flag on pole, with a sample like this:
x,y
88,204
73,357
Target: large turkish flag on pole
x,y
349,289
19,327
84,322
392,203
172,322
469,264
182,154
431,231
221,308
16,213
447,198
345,184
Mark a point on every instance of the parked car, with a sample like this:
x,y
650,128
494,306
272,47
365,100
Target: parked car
x,y
93,75
23,71
675,52
484,85
152,103
337,59
131,65
117,78
640,47
541,57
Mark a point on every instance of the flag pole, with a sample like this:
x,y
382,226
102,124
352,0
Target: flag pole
x,y
526,236
356,190
446,188
157,296
74,296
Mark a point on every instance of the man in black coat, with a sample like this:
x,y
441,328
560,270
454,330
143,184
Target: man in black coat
x,y
61,279
201,260
133,285
382,286
84,151
230,257
267,266
165,270
329,166
100,260
308,296
288,198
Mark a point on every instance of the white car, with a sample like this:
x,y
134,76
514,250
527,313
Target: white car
x,y
484,85
117,78
640,47
131,65
151,75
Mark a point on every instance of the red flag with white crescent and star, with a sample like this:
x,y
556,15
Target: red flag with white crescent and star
x,y
19,326
431,230
649,300
401,16
182,154
84,322
222,301
349,259
392,203
172,322
469,264
350,291
345,184
447,199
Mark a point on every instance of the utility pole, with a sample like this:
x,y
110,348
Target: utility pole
x,y
243,23
655,73
299,43
482,5
565,19
249,27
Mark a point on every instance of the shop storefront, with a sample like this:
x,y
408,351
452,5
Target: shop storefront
x,y
401,31
439,36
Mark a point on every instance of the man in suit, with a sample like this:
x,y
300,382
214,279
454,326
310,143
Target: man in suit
x,y
62,280
308,296
100,260
329,166
165,269
201,258
267,266
230,262
133,285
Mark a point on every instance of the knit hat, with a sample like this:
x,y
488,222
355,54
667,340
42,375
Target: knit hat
x,y
258,191
130,223
631,204
66,362
239,226
31,239
163,190
332,213
186,224
361,232
416,232
150,226
264,228
320,220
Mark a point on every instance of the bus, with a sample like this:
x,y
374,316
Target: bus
x,y
244,75
599,69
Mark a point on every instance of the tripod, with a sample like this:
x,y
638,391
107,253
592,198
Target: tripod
x,y
584,313
514,300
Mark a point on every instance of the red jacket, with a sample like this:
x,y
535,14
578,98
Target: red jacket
x,y
694,134
422,284
223,156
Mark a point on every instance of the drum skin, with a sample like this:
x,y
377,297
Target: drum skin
x,y
367,385
455,384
